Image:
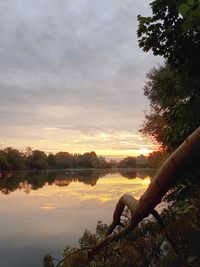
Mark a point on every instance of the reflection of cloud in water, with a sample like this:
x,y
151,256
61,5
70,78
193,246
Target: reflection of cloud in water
x,y
48,207
29,181
106,189
58,215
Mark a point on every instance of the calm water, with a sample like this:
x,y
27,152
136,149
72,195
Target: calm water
x,y
44,212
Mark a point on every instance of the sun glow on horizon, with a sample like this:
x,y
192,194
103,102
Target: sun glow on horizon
x,y
116,144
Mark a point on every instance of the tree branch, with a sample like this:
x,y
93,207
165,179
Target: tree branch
x,y
167,175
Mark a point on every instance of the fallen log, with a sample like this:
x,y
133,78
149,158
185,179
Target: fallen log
x,y
183,157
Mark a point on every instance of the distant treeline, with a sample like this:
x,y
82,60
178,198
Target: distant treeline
x,y
12,159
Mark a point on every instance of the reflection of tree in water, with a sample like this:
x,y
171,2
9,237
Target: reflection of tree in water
x,y
130,174
143,173
89,177
27,181
137,173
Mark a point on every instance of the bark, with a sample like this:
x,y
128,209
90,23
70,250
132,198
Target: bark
x,y
128,201
183,157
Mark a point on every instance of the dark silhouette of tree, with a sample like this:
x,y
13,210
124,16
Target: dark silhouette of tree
x,y
174,89
4,166
14,158
163,34
63,160
51,160
128,162
174,103
38,160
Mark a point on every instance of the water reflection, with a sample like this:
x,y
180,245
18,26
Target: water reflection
x,y
27,181
43,212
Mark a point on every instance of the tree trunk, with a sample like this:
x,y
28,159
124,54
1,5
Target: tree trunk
x,y
183,157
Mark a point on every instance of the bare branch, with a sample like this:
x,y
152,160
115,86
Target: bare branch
x,y
167,175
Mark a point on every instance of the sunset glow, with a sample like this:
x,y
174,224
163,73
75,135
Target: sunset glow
x,y
119,144
73,82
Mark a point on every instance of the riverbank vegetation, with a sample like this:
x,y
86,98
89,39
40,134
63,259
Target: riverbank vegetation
x,y
12,159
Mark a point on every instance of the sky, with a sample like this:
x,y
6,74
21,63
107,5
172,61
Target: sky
x,y
72,76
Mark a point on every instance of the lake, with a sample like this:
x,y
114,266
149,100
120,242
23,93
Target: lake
x,y
43,212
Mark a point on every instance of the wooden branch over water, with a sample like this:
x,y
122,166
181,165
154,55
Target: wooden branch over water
x,y
183,157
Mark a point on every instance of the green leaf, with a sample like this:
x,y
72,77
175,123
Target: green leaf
x,y
184,9
191,259
190,2
196,12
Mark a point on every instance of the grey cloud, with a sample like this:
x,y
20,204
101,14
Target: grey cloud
x,y
72,65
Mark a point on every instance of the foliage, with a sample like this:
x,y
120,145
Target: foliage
x,y
174,89
190,10
12,159
3,162
38,160
48,261
63,160
149,244
157,158
128,162
174,94
51,160
162,33
90,160
142,161
174,102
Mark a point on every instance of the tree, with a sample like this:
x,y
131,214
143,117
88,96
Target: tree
x,y
128,162
90,160
174,89
63,160
163,34
156,158
38,160
174,103
4,166
190,10
52,160
14,158
184,157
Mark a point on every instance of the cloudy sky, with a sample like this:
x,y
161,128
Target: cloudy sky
x,y
71,76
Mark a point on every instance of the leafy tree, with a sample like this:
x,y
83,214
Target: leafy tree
x,y
4,166
77,160
162,33
90,160
63,160
156,158
174,102
38,160
14,158
28,151
128,162
190,10
51,160
102,163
